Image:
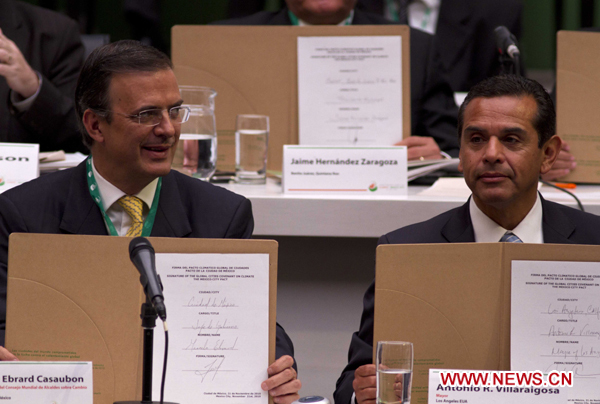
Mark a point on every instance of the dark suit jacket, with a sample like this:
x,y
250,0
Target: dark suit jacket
x,y
60,203
50,43
433,111
560,225
465,36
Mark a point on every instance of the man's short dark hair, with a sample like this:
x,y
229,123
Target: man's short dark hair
x,y
516,86
102,64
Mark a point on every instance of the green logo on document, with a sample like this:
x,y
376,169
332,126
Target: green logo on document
x,y
373,187
2,181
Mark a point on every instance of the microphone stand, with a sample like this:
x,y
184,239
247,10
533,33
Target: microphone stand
x,y
509,65
148,316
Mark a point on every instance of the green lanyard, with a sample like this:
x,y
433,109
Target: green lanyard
x,y
95,192
296,21
393,10
426,18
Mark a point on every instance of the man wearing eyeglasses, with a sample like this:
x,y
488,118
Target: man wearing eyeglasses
x,y
130,108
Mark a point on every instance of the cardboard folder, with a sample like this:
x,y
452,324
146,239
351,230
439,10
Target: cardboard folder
x,y
578,101
452,301
254,71
78,298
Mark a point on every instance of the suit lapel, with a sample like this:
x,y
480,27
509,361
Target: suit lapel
x,y
81,215
13,28
371,6
171,217
9,19
18,32
9,22
454,30
459,228
556,226
361,18
281,18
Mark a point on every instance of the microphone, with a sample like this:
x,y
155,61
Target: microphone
x,y
506,42
142,256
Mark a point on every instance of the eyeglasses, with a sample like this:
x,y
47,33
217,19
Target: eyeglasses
x,y
153,117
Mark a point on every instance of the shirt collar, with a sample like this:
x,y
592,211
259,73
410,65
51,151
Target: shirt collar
x,y
110,194
488,231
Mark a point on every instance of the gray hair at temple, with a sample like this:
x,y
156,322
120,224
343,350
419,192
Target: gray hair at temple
x,y
516,86
102,64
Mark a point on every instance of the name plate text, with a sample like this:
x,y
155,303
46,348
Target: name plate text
x,y
376,170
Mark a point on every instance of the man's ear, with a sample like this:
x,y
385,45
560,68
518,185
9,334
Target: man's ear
x,y
550,151
92,122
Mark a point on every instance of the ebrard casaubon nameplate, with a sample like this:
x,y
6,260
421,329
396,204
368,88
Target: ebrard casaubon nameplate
x,y
46,382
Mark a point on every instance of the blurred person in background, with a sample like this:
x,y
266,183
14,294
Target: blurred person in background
x,y
40,58
433,110
464,31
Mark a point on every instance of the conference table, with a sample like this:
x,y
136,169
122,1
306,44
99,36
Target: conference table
x,y
324,215
326,261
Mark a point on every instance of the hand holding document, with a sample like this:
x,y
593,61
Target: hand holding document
x,y
421,148
555,322
6,355
282,383
219,321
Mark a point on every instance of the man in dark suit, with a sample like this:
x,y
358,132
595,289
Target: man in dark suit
x,y
433,111
463,29
506,127
130,107
40,58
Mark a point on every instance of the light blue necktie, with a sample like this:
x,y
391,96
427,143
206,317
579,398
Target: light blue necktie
x,y
510,237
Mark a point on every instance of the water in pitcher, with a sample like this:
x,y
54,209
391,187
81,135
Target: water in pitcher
x,y
199,154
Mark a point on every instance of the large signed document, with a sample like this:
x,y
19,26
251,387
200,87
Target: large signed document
x,y
555,322
218,316
350,90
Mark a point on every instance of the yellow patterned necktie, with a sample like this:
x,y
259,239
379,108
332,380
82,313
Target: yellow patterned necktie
x,y
134,208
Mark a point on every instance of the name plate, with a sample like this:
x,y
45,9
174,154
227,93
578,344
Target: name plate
x,y
19,163
496,387
46,382
365,170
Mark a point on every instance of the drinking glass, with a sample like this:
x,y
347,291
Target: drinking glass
x,y
251,145
394,363
196,153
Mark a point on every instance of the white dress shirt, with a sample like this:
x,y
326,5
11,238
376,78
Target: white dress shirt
x,y
109,194
423,14
488,231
